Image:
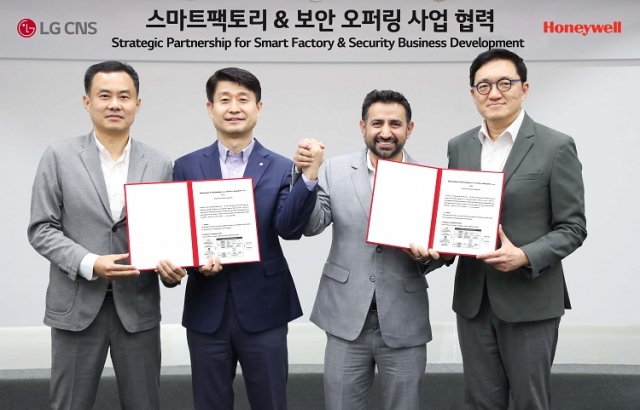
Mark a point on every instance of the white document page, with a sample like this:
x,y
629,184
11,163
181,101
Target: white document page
x,y
225,220
468,212
402,204
159,224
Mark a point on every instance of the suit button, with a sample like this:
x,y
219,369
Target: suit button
x,y
114,229
378,248
372,278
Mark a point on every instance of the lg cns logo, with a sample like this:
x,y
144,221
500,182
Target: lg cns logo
x,y
27,28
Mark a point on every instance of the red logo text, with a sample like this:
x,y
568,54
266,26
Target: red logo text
x,y
584,29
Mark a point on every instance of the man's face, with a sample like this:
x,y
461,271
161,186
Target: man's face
x,y
112,103
500,108
386,130
234,110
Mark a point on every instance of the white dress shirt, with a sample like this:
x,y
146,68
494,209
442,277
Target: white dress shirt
x,y
115,176
495,153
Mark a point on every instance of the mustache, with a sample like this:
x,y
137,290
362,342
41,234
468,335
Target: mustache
x,y
382,139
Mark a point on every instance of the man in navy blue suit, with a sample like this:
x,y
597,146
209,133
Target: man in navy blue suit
x,y
240,313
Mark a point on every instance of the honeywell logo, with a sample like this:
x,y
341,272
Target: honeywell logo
x,y
584,29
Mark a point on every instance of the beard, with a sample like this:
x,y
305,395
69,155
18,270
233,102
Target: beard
x,y
384,153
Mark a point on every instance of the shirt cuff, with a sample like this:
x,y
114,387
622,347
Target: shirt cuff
x,y
311,185
86,266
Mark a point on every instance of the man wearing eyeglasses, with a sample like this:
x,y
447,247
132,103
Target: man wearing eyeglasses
x,y
509,302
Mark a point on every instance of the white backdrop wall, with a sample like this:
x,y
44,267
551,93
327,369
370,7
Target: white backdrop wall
x,y
593,101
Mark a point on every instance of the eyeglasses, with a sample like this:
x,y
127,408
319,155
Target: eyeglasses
x,y
503,85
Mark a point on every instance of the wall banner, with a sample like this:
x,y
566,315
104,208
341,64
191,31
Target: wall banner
x,y
318,30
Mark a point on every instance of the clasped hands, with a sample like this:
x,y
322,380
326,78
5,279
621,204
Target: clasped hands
x,y
308,157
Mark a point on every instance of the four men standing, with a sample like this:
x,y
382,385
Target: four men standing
x,y
372,301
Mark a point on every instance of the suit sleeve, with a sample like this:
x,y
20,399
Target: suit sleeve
x,y
566,189
168,173
321,216
177,171
451,156
45,231
295,204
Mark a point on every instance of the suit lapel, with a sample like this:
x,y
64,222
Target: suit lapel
x,y
258,163
137,165
91,160
210,162
360,180
521,146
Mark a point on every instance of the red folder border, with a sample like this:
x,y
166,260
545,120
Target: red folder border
x,y
192,219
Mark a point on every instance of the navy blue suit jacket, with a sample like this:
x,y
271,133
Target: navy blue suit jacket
x,y
264,294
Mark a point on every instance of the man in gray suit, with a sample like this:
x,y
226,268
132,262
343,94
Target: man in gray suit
x,y
96,302
372,300
509,302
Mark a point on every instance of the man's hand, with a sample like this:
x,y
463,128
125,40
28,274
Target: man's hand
x,y
309,157
211,268
106,267
507,258
170,272
419,254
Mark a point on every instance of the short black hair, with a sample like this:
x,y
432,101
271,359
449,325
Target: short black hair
x,y
110,67
497,54
236,75
386,97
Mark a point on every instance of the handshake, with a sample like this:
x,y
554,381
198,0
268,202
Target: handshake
x,y
309,157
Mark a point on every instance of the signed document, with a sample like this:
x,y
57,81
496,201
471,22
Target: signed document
x,y
449,210
189,222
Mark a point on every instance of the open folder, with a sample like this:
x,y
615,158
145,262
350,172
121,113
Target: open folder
x,y
188,222
449,210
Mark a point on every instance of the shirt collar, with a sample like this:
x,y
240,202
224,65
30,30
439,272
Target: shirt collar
x,y
512,129
244,154
106,156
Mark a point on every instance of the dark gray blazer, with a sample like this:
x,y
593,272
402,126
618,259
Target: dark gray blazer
x,y
542,213
355,269
70,218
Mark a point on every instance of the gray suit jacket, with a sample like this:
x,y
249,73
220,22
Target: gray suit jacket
x,y
355,270
70,218
542,213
